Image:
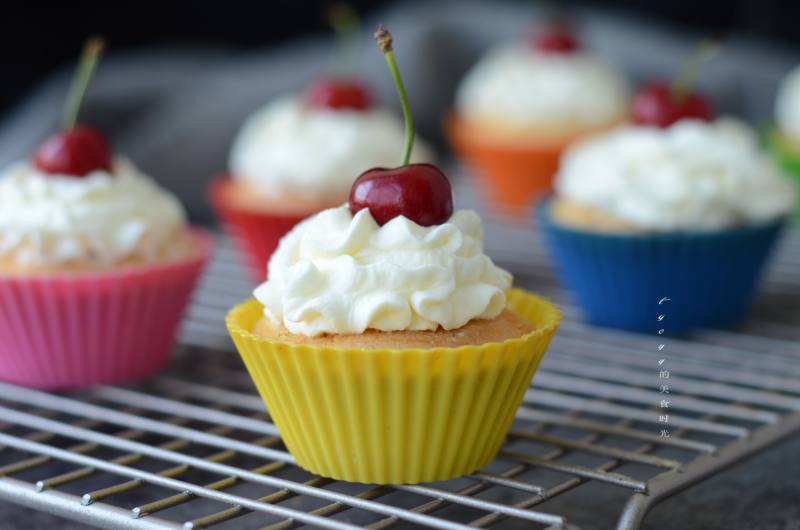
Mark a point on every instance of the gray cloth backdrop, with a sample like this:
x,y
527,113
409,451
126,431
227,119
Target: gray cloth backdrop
x,y
174,112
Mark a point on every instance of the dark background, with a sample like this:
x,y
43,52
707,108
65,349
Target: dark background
x,y
36,38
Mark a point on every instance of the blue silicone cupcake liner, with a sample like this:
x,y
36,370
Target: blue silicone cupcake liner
x,y
619,279
788,160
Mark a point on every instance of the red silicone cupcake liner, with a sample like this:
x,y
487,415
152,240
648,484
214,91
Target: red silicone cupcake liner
x,y
75,330
256,234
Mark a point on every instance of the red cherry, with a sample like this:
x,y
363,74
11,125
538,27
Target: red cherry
x,y
338,94
75,152
420,192
657,104
556,39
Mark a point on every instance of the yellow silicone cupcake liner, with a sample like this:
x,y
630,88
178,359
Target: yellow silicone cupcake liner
x,y
394,416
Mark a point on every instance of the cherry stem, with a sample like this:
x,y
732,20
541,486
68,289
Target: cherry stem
x,y
384,40
80,81
344,21
706,50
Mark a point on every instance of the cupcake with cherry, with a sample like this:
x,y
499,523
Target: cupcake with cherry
x,y
97,262
680,204
386,345
783,138
297,155
523,103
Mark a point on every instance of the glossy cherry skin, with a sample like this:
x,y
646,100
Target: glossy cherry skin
x,y
338,94
75,152
656,104
556,39
420,192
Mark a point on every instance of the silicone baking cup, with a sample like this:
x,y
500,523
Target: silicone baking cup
x,y
256,234
73,330
787,158
618,279
510,175
394,416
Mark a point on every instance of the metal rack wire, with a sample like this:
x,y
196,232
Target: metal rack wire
x,y
196,449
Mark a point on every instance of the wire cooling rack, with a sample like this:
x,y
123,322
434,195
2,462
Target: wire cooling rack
x,y
195,448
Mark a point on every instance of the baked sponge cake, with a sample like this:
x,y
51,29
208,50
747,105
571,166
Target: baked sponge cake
x,y
689,212
390,354
522,104
97,263
506,325
298,155
95,272
386,345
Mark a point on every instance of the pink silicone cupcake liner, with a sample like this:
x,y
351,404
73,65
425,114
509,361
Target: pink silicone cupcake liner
x,y
75,330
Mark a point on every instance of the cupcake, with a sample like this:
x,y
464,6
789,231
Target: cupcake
x,y
522,104
97,262
387,346
689,212
294,158
783,140
297,156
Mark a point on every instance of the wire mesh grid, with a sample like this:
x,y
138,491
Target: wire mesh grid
x,y
195,447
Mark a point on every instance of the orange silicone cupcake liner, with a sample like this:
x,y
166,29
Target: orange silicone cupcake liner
x,y
511,175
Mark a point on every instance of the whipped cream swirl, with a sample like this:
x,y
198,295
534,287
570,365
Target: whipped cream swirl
x,y
287,148
787,104
693,175
340,273
524,88
102,218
